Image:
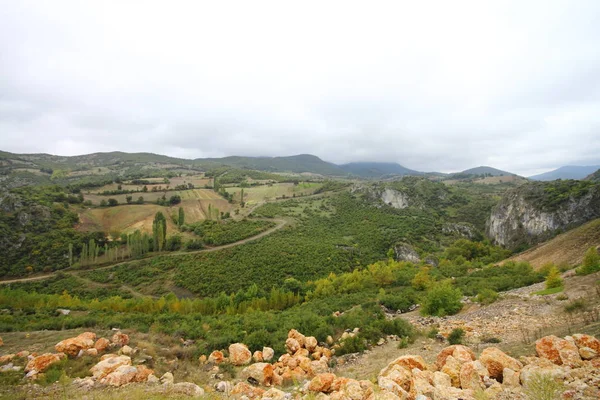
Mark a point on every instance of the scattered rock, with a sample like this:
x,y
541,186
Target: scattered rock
x,y
495,360
268,353
216,357
239,354
41,363
259,373
101,344
73,346
120,339
109,364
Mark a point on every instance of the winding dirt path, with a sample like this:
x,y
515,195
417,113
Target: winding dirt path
x,y
280,224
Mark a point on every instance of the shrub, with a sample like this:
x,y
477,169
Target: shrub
x,y
352,344
442,299
433,332
487,296
591,262
575,305
490,339
456,336
553,280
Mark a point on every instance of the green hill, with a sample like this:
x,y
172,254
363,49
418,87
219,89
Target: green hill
x,y
595,177
297,164
377,169
483,170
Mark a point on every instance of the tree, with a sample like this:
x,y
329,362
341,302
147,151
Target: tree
x,y
442,299
242,203
591,262
175,199
553,280
103,203
181,218
112,202
159,231
145,189
129,199
140,200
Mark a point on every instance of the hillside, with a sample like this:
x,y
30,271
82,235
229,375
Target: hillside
x,y
299,164
595,177
534,212
566,172
565,249
377,169
483,170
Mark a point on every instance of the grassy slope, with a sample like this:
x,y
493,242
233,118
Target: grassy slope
x,y
567,248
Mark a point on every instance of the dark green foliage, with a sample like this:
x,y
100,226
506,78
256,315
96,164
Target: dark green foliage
x,y
511,275
549,196
159,231
456,336
487,296
591,262
223,232
442,299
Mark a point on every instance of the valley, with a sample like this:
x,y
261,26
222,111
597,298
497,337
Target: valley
x,y
189,257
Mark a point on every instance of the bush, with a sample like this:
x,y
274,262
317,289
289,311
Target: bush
x,y
591,262
543,387
553,280
433,332
456,336
490,339
575,305
442,299
352,344
487,296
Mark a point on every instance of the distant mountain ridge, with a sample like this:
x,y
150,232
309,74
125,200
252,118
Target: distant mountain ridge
x,y
377,169
484,170
567,172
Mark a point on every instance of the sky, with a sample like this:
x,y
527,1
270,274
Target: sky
x,y
432,85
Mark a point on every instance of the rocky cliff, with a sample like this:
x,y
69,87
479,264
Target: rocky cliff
x,y
537,211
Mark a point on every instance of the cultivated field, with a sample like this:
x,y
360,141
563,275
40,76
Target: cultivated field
x,y
257,194
199,181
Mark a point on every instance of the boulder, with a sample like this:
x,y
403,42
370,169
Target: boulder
x,y
216,357
321,383
591,342
587,353
274,394
239,354
244,389
143,373
101,344
120,339
7,358
300,338
469,376
292,345
452,369
460,353
452,393
259,373
495,360
543,366
268,353
511,378
167,378
441,379
41,363
407,362
122,375
73,346
202,359
257,356
396,379
423,382
22,354
310,343
91,352
187,389
559,351
108,365
126,350
152,379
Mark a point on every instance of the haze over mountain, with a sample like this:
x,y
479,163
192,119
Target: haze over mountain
x,y
213,84
567,172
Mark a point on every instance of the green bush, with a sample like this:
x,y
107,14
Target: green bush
x,y
591,262
433,332
442,299
543,387
352,344
553,280
456,336
487,296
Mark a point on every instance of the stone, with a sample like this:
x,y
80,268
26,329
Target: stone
x,y
511,378
292,345
469,376
244,389
108,365
257,356
441,379
120,339
202,359
73,346
167,378
543,366
216,357
101,344
260,373
588,341
452,369
274,394
91,352
187,389
122,375
408,362
239,354
268,353
587,353
310,343
329,340
460,353
223,387
495,360
321,383
152,379
41,363
143,373
22,354
452,393
300,338
423,382
7,358
126,350
395,376
546,348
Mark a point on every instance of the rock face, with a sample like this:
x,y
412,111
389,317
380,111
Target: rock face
x,y
239,354
394,198
41,363
522,218
73,346
405,252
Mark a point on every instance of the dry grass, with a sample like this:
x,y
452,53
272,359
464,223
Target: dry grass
x,y
565,249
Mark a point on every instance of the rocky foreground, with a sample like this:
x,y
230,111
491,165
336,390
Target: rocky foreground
x,y
569,368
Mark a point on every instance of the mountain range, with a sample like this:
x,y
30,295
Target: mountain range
x,y
566,172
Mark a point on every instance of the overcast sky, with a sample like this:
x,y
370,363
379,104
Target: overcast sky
x,y
433,85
